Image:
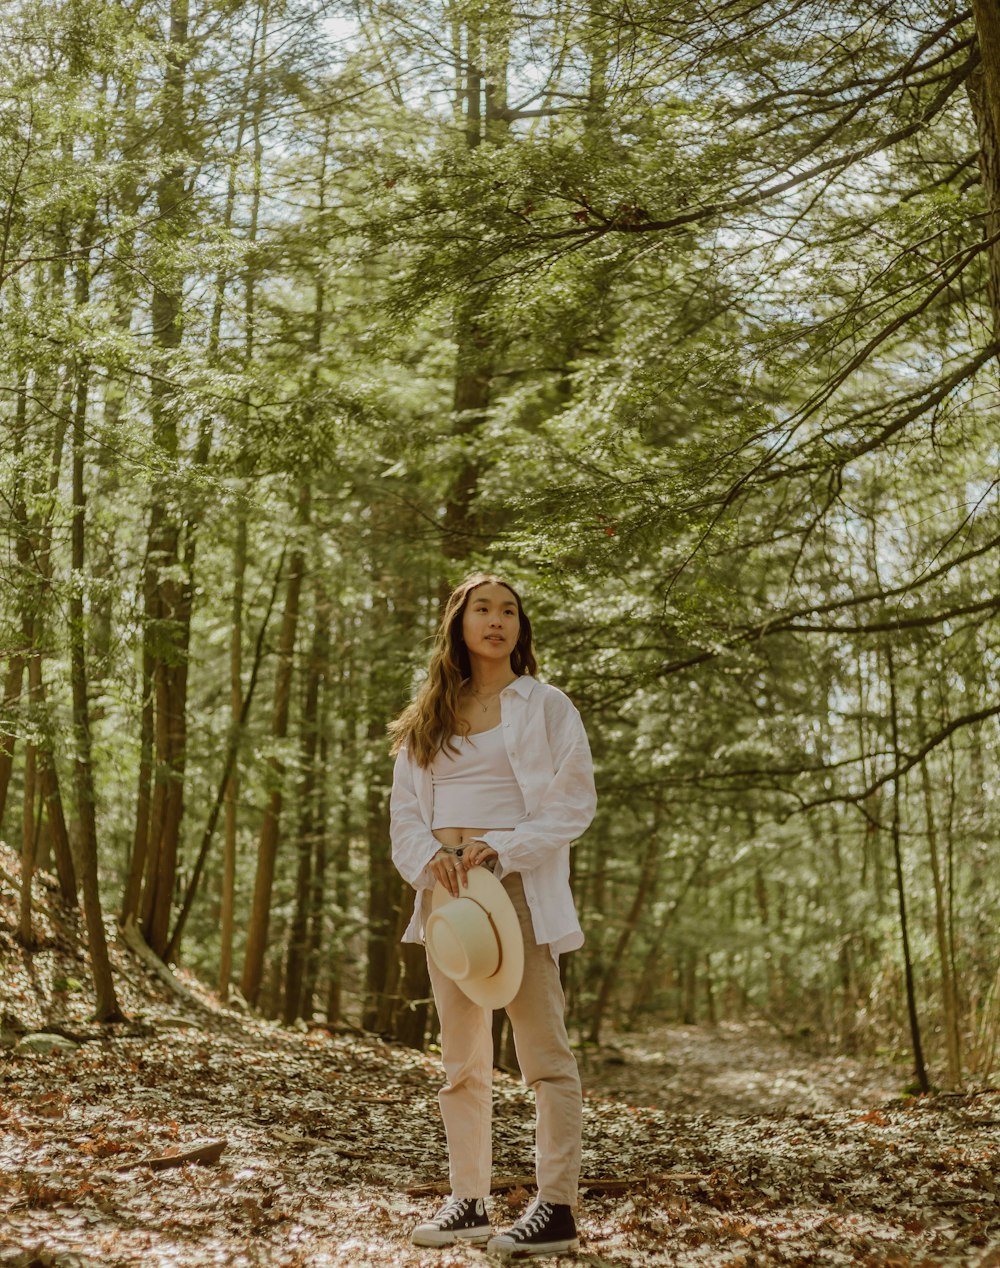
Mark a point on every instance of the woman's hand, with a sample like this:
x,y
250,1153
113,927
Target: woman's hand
x,y
451,869
477,852
447,868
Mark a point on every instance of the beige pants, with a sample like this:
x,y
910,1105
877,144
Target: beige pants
x,y
537,1018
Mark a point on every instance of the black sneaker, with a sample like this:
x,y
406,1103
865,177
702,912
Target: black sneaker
x,y
546,1228
459,1220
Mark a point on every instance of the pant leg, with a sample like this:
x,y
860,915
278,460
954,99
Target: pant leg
x,y
537,1018
466,1100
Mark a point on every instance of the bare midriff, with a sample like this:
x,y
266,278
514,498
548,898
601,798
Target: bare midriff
x,y
462,836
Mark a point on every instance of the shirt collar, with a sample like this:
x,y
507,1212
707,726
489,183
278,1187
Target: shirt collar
x,y
522,685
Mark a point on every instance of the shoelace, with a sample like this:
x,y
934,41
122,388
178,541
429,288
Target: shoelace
x,y
452,1210
534,1221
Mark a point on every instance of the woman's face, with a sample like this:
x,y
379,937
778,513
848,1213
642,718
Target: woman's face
x,y
491,622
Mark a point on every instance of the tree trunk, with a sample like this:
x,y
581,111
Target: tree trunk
x,y
107,1009
689,986
228,765
409,1022
123,290
240,547
267,844
390,899
317,890
897,850
987,18
56,820
345,708
25,565
29,595
310,826
33,551
311,848
232,783
391,1000
11,697
984,97
645,890
711,1015
651,963
848,991
172,613
384,885
950,876
951,1026
167,583
143,806
29,823
485,50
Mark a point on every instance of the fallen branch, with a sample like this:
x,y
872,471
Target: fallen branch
x,y
204,1153
315,1142
342,1027
294,1138
633,1182
130,934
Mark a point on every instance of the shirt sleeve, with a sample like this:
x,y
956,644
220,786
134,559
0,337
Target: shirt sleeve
x,y
567,806
413,844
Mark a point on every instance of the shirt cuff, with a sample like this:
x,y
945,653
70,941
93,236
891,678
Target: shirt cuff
x,y
426,879
495,840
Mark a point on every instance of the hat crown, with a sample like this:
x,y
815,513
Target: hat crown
x,y
463,940
475,938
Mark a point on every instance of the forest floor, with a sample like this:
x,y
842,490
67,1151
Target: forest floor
x,y
702,1146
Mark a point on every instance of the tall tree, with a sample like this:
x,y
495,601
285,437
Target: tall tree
x,y
107,1008
168,586
267,842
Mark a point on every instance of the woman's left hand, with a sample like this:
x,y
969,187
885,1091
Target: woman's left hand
x,y
477,853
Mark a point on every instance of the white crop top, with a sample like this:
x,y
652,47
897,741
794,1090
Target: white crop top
x,y
476,787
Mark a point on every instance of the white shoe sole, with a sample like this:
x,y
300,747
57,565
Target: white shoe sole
x,y
472,1237
500,1246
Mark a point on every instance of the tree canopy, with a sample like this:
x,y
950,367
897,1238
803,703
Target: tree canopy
x,y
685,316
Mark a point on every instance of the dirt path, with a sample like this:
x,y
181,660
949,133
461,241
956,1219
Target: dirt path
x,y
732,1070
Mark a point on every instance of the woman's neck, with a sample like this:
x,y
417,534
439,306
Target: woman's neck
x,y
490,679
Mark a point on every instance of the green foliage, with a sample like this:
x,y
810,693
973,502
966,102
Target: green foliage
x,y
711,282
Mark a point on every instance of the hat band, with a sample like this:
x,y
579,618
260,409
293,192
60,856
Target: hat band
x,y
496,934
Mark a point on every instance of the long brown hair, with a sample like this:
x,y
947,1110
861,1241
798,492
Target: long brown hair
x,y
431,719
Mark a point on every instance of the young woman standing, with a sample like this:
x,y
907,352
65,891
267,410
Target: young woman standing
x,y
493,769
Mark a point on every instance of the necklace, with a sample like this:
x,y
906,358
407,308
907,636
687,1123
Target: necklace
x,y
492,696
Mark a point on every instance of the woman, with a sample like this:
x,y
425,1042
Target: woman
x,y
493,768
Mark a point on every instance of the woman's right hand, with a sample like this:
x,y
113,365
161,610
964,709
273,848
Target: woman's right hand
x,y
450,870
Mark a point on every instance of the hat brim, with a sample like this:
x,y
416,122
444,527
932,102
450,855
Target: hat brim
x,y
496,991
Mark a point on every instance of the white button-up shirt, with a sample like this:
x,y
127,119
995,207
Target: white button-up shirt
x,y
550,756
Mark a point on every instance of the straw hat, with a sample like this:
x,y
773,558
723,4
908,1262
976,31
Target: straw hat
x,y
475,939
